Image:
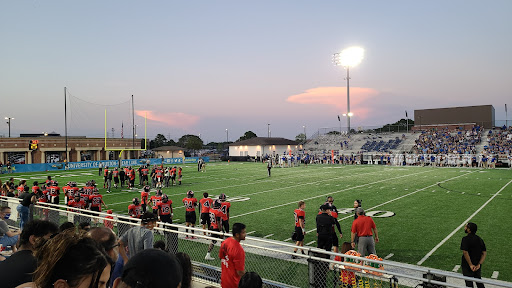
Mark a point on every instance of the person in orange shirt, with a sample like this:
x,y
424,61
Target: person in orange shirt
x,y
300,221
205,205
144,195
232,257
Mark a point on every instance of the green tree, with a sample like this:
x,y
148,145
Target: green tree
x,y
191,142
247,135
159,141
399,126
300,138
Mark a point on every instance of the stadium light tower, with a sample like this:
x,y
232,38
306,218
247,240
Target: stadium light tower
x,y
227,135
9,123
347,58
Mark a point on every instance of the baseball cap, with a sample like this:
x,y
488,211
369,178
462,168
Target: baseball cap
x,y
152,268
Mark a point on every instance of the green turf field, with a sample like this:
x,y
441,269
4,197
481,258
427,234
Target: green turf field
x,y
429,205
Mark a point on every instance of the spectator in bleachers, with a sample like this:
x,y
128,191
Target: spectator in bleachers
x,y
250,280
186,268
71,259
66,225
150,268
7,237
18,268
107,239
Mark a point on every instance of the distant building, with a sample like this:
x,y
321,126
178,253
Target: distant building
x,y
467,116
169,152
261,146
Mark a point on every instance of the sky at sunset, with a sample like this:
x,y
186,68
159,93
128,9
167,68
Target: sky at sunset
x,y
201,67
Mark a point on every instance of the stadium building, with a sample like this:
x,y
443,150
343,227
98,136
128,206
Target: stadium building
x,y
37,148
261,146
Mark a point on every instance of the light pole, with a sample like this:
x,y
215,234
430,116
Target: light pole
x,y
305,137
227,135
347,58
9,123
268,130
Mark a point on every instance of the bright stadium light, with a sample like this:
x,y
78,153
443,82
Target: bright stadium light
x,y
347,58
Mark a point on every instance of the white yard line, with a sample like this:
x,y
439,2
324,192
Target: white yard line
x,y
327,194
248,233
460,226
456,268
389,256
400,197
269,235
309,243
495,275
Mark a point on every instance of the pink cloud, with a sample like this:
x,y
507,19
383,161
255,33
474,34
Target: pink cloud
x,y
336,97
172,119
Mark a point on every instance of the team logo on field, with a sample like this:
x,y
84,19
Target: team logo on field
x,y
375,214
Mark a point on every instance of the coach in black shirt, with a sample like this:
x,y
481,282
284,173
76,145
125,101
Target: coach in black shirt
x,y
473,254
324,227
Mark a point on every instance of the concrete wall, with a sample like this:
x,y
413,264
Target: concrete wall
x,y
259,150
481,115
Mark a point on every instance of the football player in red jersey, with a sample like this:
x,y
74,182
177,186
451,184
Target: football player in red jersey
x,y
105,176
76,203
190,211
95,201
108,220
145,172
144,195
35,188
179,175
54,191
173,175
115,175
215,224
300,221
132,177
225,212
155,199
134,209
165,211
205,204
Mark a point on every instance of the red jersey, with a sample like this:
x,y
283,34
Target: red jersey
x,y
105,172
173,171
205,204
232,257
20,189
215,218
299,214
190,204
115,173
132,174
76,204
109,223
36,189
224,208
134,210
179,172
54,191
154,201
144,197
88,190
44,197
96,200
145,171
165,208
158,173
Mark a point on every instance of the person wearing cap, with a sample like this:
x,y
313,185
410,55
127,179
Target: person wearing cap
x,y
232,257
324,227
363,227
138,238
152,268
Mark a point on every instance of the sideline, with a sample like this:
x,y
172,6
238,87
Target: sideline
x,y
461,225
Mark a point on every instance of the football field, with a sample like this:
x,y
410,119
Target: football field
x,y
419,211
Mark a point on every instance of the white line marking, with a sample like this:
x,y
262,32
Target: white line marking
x,y
461,225
323,195
269,235
307,244
250,232
389,256
495,275
456,268
287,239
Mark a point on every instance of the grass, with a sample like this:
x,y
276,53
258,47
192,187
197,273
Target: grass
x,y
429,204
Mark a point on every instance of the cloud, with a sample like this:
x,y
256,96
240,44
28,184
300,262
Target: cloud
x,y
178,120
336,97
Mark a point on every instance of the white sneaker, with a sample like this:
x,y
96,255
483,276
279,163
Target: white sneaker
x,y
208,257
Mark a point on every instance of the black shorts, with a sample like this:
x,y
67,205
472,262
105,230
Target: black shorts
x,y
335,241
299,235
205,219
190,217
215,235
116,180
166,218
95,208
144,177
225,225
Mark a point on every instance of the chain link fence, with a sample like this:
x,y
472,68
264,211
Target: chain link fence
x,y
272,260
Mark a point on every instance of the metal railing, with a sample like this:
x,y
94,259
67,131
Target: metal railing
x,y
271,259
